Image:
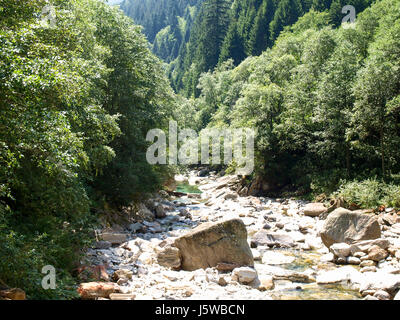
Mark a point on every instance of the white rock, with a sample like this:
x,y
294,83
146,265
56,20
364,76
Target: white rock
x,y
274,258
340,249
244,275
337,276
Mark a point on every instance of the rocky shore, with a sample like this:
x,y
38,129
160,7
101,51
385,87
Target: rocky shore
x,y
220,245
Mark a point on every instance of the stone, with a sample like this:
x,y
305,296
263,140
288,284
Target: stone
x,y
329,257
381,281
122,274
270,239
314,209
160,211
369,297
266,283
364,246
342,274
382,295
222,281
353,260
256,255
144,213
96,272
368,269
145,258
359,254
346,226
231,196
212,243
225,267
135,227
275,258
340,249
122,296
376,253
113,238
244,275
102,244
13,294
94,290
367,263
169,257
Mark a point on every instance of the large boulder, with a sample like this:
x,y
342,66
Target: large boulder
x,y
346,226
212,243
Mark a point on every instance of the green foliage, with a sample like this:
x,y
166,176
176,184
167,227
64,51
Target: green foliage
x,y
370,193
76,102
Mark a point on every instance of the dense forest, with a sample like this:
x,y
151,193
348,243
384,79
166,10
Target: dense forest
x,y
196,36
78,98
76,103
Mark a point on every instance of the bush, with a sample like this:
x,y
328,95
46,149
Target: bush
x,y
370,193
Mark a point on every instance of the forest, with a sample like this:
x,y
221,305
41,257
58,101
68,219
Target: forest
x,y
78,98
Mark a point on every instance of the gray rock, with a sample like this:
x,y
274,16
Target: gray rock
x,y
135,227
113,238
346,226
212,243
270,239
102,244
160,211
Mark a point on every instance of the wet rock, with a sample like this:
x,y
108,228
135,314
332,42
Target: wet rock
x,y
265,238
169,257
94,290
314,209
213,243
346,226
244,275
